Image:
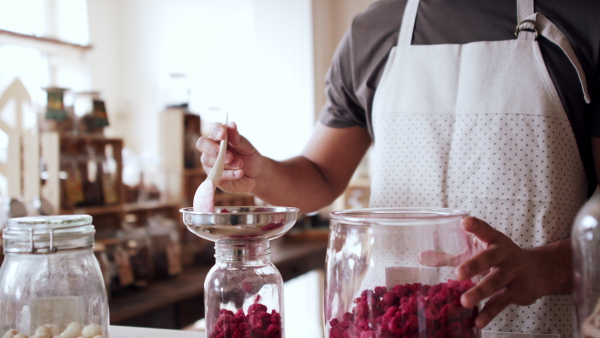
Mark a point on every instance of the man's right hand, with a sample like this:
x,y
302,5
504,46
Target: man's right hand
x,y
243,163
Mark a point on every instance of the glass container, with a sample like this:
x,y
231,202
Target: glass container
x,y
50,282
390,273
243,291
585,240
166,246
137,245
243,287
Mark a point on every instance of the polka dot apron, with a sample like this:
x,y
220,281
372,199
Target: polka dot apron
x,y
480,127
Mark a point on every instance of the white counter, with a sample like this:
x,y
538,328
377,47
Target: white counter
x,y
142,332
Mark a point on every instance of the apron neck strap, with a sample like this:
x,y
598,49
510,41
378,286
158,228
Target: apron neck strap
x,y
408,23
524,9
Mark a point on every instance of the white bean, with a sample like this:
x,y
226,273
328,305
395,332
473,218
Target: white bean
x,y
73,330
53,329
91,331
43,332
10,333
20,335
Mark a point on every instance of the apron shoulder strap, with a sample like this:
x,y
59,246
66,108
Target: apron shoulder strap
x,y
408,23
528,19
538,23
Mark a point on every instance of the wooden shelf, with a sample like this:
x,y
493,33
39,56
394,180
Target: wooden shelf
x,y
194,172
38,42
142,206
95,210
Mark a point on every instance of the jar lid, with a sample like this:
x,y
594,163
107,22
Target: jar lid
x,y
48,234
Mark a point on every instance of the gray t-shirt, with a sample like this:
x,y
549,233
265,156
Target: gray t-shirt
x,y
361,56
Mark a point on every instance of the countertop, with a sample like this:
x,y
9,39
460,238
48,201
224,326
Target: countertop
x,y
141,332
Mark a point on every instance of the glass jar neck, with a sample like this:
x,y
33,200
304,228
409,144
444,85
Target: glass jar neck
x,y
235,250
48,234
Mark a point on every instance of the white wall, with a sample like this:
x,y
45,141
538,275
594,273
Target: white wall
x,y
331,20
253,58
104,59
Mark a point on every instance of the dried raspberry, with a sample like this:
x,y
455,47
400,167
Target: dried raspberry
x,y
368,334
432,313
258,323
273,331
275,318
256,307
380,291
408,310
361,310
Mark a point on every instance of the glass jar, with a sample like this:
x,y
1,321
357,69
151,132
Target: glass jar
x,y
166,246
104,264
390,273
135,241
50,281
585,240
243,292
120,270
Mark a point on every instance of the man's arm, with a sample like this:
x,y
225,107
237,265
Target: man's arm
x,y
320,174
309,181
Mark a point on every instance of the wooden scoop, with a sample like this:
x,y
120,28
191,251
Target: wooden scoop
x,y
204,199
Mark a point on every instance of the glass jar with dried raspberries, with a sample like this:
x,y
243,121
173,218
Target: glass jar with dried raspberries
x,y
390,273
243,291
50,282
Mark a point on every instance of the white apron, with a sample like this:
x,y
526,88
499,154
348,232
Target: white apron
x,y
480,127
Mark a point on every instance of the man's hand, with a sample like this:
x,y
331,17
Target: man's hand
x,y
516,276
243,163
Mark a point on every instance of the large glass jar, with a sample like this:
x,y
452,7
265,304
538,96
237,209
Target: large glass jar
x,y
50,281
585,240
390,273
243,292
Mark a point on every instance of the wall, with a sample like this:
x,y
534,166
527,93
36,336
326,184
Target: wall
x,y
252,58
331,20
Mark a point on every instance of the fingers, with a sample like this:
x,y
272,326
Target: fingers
x,y
496,280
481,262
217,131
483,231
493,307
206,144
208,160
232,174
209,146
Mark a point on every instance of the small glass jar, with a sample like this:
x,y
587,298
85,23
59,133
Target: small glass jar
x,y
120,270
585,239
243,292
390,273
136,242
166,247
50,282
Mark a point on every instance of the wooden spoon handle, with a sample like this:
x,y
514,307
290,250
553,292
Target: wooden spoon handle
x,y
217,170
